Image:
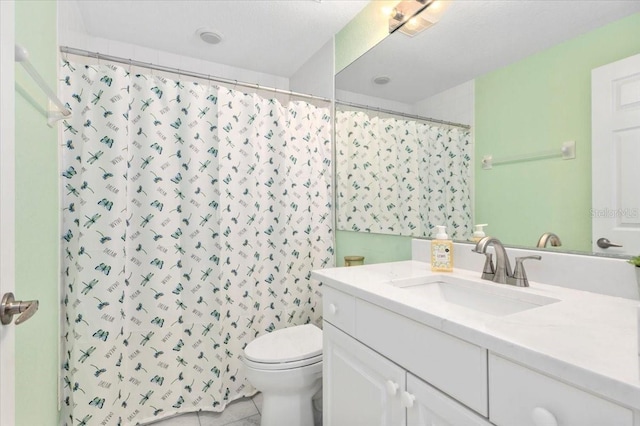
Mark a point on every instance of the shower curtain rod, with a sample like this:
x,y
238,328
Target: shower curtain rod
x,y
402,114
149,65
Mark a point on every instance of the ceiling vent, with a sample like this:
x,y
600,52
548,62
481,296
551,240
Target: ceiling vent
x,y
209,36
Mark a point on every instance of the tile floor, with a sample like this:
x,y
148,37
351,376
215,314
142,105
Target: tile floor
x,y
242,412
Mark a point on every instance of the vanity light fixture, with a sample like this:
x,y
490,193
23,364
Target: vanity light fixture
x,y
209,36
413,16
416,25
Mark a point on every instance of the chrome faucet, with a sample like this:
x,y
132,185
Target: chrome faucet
x,y
502,272
551,238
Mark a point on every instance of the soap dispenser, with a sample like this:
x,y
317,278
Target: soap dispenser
x,y
478,232
441,251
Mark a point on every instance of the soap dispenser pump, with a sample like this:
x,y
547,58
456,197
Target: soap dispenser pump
x,y
478,232
441,251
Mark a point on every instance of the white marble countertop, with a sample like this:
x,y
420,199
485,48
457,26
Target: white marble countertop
x,y
586,339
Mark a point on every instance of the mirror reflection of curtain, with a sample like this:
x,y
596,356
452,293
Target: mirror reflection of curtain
x,y
401,176
193,216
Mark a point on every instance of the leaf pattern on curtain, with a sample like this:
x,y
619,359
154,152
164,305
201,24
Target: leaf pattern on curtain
x,y
192,217
403,177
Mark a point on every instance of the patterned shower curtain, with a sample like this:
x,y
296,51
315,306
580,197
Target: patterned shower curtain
x,y
192,217
399,176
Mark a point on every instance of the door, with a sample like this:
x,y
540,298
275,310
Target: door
x,y
7,229
360,386
430,407
615,145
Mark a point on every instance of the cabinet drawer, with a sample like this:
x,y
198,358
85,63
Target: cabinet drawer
x,y
454,366
339,309
518,395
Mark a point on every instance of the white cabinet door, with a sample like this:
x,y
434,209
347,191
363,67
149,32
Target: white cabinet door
x,y
431,407
360,387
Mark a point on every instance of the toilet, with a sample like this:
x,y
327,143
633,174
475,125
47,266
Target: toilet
x,y
286,366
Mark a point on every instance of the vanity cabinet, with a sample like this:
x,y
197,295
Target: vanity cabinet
x,y
376,363
363,388
383,368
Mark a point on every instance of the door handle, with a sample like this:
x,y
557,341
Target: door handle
x,y
9,307
604,243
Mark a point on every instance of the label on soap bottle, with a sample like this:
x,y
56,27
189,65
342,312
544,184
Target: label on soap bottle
x,y
441,256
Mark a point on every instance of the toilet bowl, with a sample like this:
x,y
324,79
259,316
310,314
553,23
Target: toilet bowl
x,y
286,366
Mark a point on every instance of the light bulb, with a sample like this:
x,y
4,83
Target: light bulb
x,y
396,14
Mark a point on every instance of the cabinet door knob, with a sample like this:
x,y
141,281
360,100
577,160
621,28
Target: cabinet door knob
x,y
392,387
407,399
333,308
543,417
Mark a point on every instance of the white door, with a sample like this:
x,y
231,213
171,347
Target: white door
x,y
615,144
360,386
7,228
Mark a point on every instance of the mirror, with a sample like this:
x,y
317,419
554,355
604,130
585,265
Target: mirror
x,y
519,75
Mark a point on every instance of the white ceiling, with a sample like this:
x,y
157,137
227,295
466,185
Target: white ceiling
x,y
269,36
472,38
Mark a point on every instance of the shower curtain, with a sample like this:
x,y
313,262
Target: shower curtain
x,y
403,177
192,218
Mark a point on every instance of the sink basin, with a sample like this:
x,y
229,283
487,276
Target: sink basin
x,y
492,299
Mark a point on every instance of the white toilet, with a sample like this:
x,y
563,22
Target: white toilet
x,y
286,366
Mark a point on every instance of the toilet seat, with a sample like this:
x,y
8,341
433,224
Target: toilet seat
x,y
282,365
287,348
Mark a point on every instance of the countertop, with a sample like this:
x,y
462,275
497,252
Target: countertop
x,y
586,339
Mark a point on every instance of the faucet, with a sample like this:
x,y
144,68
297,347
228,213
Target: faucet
x,y
551,238
502,272
503,267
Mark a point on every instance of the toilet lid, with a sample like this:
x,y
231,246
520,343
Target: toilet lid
x,y
286,345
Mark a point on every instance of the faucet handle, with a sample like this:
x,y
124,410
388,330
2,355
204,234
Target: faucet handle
x,y
519,274
489,271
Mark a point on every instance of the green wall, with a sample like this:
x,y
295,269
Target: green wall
x,y
535,105
376,248
37,236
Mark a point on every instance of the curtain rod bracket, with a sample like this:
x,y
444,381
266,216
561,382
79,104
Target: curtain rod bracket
x,y
54,116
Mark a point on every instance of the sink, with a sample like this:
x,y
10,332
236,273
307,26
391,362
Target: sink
x,y
492,299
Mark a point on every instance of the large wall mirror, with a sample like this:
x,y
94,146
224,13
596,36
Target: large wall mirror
x,y
419,115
